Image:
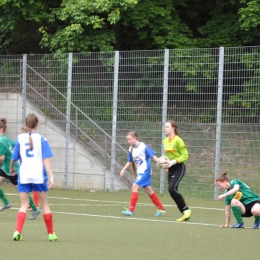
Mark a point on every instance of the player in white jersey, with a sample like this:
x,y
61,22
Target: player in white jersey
x,y
33,152
139,157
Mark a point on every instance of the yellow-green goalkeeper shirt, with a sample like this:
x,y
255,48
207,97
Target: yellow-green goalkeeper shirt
x,y
175,149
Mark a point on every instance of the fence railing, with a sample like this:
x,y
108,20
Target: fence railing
x,y
213,94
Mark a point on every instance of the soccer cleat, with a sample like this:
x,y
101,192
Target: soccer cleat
x,y
7,206
35,214
256,225
185,217
160,212
127,212
52,237
238,225
17,236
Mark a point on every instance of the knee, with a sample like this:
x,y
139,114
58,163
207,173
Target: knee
x,y
235,202
172,190
256,210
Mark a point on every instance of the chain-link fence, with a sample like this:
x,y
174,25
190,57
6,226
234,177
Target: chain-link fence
x,y
95,99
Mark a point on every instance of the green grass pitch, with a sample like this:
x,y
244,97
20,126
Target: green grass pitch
x,y
90,226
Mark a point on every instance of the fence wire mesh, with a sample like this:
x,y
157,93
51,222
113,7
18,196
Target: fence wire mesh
x,y
184,85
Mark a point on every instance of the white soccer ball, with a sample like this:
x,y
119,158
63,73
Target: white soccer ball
x,y
162,161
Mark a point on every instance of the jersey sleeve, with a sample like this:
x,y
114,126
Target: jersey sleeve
x,y
46,150
183,151
16,152
129,157
149,152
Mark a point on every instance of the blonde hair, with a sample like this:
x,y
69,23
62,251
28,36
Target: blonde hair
x,y
24,129
31,122
134,135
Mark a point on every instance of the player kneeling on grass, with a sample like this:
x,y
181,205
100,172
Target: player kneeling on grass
x,y
139,157
240,199
33,151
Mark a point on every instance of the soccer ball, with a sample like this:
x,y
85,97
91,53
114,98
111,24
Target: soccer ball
x,y
162,160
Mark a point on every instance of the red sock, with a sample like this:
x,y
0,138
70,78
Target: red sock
x,y
48,222
36,198
156,201
20,218
133,201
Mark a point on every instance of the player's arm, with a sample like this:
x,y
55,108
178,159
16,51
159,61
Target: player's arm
x,y
228,215
47,166
128,164
12,170
230,192
2,157
155,158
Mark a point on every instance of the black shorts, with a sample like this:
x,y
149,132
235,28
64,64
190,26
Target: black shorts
x,y
12,179
248,208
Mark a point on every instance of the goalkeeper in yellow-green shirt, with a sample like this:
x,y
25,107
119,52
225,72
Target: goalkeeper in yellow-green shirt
x,y
176,150
240,199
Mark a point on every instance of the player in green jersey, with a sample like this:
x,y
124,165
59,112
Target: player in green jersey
x,y
240,199
6,147
176,150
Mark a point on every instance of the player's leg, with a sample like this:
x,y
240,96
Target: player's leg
x,y
35,211
154,198
133,199
36,198
21,215
238,210
175,175
47,214
6,203
256,213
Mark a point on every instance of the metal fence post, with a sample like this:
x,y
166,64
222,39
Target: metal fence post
x,y
66,168
114,122
24,80
164,109
219,117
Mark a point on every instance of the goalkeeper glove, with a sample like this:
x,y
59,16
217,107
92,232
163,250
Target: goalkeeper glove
x,y
169,164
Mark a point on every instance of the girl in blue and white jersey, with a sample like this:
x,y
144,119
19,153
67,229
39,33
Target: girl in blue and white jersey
x,y
33,152
139,157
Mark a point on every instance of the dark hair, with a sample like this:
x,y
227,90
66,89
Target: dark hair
x,y
31,122
3,123
174,124
223,177
135,135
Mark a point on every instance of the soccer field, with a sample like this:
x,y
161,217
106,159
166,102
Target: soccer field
x,y
89,225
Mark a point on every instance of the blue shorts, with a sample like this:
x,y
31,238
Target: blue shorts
x,y
143,180
29,187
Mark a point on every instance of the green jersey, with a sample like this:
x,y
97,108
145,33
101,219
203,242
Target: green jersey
x,y
244,194
6,147
175,149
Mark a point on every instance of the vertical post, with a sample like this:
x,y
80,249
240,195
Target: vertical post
x,y
114,121
24,79
164,109
68,120
219,117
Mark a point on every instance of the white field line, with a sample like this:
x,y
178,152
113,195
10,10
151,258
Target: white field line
x,y
129,218
116,203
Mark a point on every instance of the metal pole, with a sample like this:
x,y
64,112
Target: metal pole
x,y
24,88
164,109
114,122
68,121
219,117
